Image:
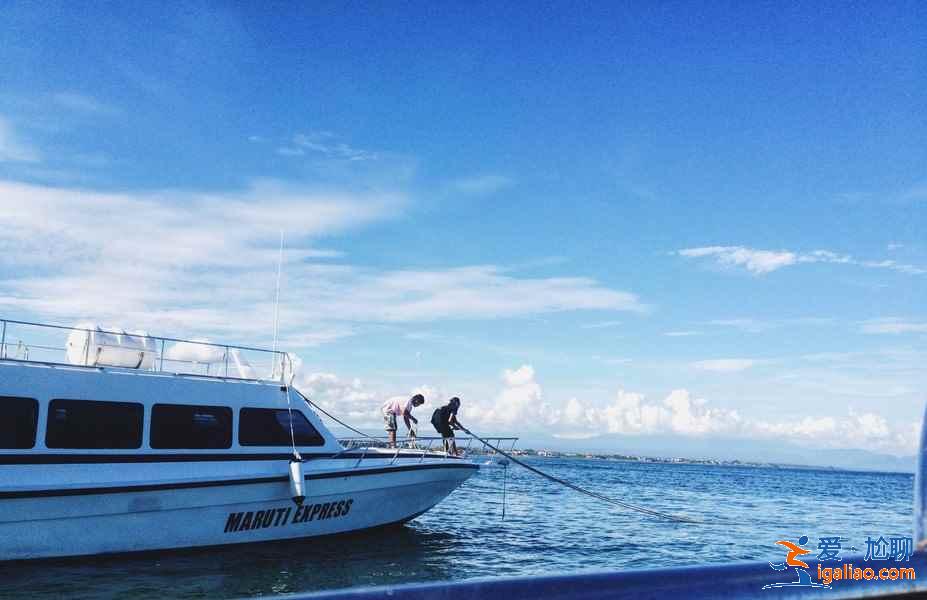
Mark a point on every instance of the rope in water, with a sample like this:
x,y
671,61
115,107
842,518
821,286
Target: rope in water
x,y
621,503
572,486
505,474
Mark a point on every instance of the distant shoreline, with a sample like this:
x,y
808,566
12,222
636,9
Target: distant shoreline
x,y
555,454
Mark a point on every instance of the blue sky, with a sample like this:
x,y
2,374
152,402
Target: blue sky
x,y
630,218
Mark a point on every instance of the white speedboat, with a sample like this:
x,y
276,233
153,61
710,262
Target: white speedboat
x,y
124,442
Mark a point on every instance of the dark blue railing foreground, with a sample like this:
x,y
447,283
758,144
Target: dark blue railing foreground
x,y
741,580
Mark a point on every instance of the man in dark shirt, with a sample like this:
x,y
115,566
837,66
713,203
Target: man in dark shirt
x,y
445,422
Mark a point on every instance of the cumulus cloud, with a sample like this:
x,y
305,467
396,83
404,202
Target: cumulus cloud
x,y
521,407
360,404
629,413
521,403
349,399
761,262
855,430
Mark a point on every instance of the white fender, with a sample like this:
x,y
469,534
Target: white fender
x,y
297,482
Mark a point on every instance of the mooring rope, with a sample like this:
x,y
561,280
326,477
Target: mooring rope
x,y
289,409
505,474
335,419
572,486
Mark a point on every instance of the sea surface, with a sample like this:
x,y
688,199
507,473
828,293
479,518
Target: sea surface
x,y
547,529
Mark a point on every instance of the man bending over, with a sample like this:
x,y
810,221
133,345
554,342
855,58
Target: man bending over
x,y
396,408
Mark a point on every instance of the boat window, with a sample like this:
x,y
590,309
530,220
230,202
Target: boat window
x,y
271,427
93,424
194,427
18,420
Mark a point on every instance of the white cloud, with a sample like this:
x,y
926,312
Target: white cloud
x,y
13,148
520,401
482,291
289,151
347,399
327,143
681,333
613,360
83,103
480,185
680,413
601,325
165,261
749,325
694,417
755,261
521,376
892,265
746,325
203,264
725,365
893,325
855,430
761,262
359,405
521,406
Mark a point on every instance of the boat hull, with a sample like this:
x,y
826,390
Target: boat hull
x,y
79,521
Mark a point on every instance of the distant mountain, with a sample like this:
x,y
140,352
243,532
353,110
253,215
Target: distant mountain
x,y
762,451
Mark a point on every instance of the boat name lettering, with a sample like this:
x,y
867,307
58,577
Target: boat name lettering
x,y
278,517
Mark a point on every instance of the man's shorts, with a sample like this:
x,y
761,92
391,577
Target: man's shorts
x,y
447,432
390,420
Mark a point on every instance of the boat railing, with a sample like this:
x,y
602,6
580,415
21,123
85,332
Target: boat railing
x,y
423,446
89,347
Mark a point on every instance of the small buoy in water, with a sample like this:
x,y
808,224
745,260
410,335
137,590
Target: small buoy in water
x,y
297,482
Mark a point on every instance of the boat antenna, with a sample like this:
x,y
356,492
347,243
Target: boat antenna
x,y
277,297
286,388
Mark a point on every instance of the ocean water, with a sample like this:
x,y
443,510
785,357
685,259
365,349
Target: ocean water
x,y
547,529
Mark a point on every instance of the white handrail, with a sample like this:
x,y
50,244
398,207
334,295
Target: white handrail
x,y
49,345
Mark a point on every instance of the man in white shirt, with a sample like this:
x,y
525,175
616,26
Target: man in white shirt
x,y
395,408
